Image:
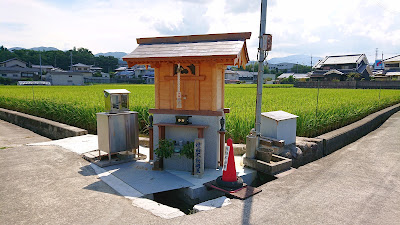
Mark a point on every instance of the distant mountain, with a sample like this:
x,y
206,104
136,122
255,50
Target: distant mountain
x,y
35,48
44,48
15,48
300,59
117,55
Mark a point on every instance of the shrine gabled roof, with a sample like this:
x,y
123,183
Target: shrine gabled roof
x,y
229,45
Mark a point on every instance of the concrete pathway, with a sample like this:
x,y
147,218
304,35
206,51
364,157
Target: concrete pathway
x,y
52,185
359,184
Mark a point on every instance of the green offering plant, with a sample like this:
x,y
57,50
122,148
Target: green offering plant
x,y
165,148
188,150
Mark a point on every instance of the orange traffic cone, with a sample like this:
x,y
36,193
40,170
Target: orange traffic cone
x,y
229,181
229,172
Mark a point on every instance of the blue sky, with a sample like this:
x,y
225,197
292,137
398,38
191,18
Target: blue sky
x,y
305,27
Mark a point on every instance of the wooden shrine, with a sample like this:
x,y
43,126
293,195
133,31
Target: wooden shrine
x,y
189,77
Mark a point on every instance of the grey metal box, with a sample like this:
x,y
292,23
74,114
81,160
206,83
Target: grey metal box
x,y
117,131
116,100
279,125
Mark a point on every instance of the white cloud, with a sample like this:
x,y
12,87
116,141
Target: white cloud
x,y
298,27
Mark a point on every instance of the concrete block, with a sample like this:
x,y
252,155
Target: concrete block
x,y
264,154
277,164
341,137
239,149
178,162
212,204
251,145
279,125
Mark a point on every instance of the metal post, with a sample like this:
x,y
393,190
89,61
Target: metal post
x,y
261,58
40,61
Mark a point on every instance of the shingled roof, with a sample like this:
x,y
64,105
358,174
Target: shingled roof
x,y
193,47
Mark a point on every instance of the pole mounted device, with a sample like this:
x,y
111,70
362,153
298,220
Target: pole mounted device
x,y
261,57
178,88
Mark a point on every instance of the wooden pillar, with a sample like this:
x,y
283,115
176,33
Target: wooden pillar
x,y
200,132
221,147
161,132
151,147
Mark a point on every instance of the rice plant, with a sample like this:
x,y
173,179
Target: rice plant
x,y
78,105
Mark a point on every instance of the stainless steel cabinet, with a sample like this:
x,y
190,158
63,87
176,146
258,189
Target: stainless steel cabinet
x,y
117,131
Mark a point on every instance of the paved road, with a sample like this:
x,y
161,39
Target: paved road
x,y
358,184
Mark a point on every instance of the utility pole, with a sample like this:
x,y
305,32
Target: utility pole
x,y
40,62
71,60
382,67
261,58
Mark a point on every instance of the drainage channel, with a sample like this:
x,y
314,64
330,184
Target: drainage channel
x,y
175,198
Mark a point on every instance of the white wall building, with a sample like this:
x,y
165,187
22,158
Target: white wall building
x,y
281,66
67,78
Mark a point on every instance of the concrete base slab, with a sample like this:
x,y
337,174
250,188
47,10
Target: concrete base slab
x,y
140,176
141,180
78,144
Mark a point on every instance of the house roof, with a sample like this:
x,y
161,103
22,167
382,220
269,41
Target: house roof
x,y
95,68
17,69
394,73
229,46
43,66
333,71
392,59
340,59
9,60
81,65
121,68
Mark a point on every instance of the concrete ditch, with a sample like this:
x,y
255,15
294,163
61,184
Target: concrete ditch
x,y
51,129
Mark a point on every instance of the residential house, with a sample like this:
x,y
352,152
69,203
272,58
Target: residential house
x,y
266,76
80,67
340,66
125,73
17,70
238,76
45,68
231,77
142,72
392,68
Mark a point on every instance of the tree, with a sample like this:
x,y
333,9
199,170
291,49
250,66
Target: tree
x,y
97,74
301,68
59,58
353,76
